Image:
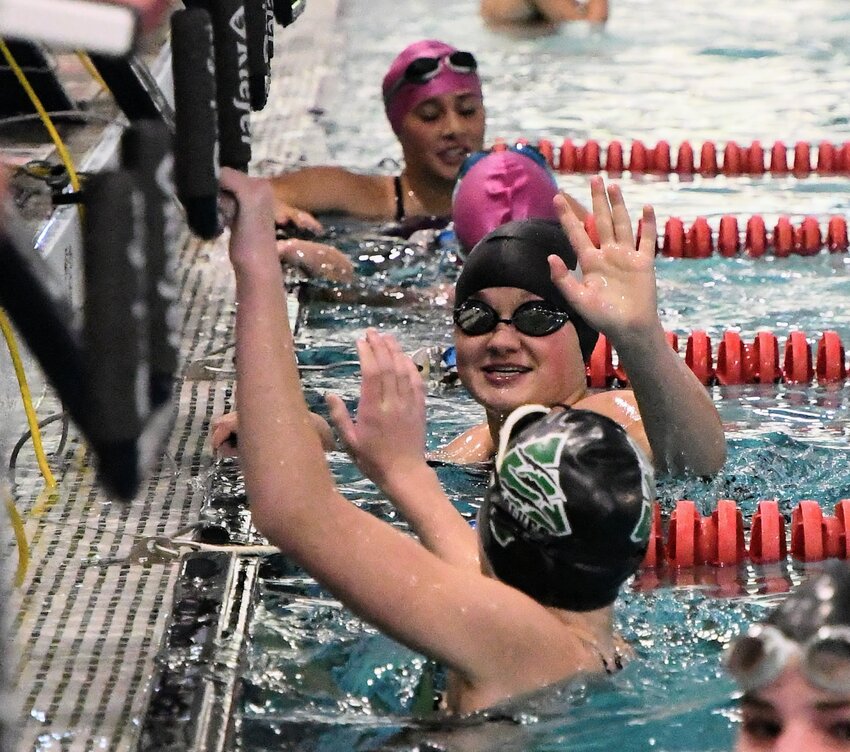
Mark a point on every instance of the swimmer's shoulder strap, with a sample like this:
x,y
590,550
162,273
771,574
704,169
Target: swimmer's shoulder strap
x,y
399,198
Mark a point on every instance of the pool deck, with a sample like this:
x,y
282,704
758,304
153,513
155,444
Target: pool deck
x,y
94,605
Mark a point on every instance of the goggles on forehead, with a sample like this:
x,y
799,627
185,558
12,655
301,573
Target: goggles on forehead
x,y
527,151
423,69
758,657
536,318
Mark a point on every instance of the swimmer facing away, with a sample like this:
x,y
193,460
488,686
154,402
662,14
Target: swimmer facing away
x,y
564,523
433,101
794,669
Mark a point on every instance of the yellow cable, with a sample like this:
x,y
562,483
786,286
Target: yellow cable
x,y
20,539
92,71
32,421
45,118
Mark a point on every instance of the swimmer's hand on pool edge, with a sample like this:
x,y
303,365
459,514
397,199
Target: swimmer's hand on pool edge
x,y
284,213
224,437
316,260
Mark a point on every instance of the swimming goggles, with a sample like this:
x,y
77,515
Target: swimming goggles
x,y
423,69
758,657
536,318
525,149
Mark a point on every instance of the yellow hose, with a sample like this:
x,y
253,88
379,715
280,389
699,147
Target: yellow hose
x,y
21,540
92,71
45,118
32,421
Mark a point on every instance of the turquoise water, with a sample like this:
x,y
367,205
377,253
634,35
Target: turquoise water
x,y
319,679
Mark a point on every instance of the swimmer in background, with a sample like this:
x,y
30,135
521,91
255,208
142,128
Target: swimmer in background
x,y
532,607
494,187
553,12
433,101
794,669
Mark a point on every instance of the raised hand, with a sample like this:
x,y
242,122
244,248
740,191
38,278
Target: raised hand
x,y
616,290
389,436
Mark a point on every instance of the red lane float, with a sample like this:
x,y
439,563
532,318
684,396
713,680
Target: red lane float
x,y
724,538
738,362
699,240
737,160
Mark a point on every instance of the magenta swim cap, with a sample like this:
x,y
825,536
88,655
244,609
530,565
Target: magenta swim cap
x,y
403,97
500,187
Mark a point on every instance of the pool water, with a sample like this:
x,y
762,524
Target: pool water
x,y
320,679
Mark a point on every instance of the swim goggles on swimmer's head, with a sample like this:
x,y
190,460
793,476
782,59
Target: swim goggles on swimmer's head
x,y
536,318
525,149
758,657
423,69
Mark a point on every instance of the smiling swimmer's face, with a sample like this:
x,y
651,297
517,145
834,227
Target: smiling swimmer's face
x,y
504,368
439,132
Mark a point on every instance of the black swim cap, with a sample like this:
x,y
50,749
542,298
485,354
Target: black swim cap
x,y
514,255
822,600
568,513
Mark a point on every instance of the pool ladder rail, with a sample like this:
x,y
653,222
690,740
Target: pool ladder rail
x,y
736,160
738,362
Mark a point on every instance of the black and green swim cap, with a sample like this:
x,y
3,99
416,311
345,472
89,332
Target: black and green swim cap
x,y
516,255
567,516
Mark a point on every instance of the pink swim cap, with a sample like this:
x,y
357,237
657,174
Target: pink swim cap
x,y
500,187
403,97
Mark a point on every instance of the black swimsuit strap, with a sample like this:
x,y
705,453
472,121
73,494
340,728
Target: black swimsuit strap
x,y
618,663
399,198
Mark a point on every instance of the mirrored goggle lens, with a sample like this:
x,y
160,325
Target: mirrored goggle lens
x,y
537,321
425,68
527,151
475,319
827,664
532,153
471,160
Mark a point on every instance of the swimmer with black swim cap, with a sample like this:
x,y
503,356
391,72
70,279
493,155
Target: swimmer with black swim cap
x,y
516,255
794,669
530,303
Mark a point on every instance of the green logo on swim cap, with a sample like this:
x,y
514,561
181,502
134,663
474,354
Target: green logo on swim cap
x,y
531,488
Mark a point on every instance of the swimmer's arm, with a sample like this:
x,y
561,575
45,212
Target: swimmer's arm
x,y
225,432
473,445
681,422
316,260
554,11
617,296
334,190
